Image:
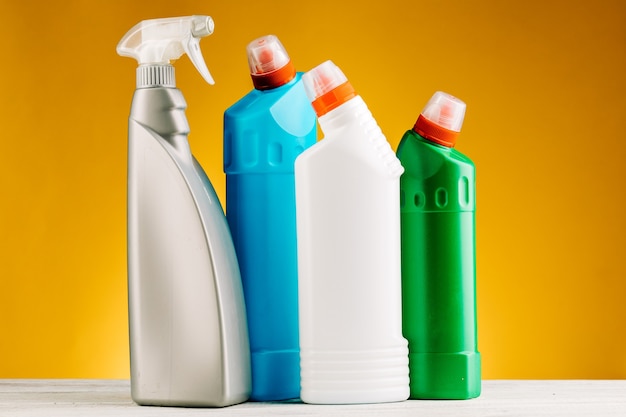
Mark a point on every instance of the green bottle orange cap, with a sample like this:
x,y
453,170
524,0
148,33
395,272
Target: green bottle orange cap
x,y
441,120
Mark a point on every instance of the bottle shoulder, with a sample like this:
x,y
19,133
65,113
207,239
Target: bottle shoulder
x,y
413,149
436,179
258,102
353,140
423,160
281,112
161,110
268,134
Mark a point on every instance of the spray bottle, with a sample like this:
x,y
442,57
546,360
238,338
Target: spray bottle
x,y
188,336
264,132
348,220
438,255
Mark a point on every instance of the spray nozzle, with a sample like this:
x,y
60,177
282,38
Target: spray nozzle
x,y
158,41
442,119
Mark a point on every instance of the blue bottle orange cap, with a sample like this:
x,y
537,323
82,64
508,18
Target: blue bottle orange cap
x,y
270,66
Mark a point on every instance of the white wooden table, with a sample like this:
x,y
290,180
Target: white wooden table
x,y
49,398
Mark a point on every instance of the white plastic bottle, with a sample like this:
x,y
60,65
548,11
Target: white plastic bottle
x,y
348,224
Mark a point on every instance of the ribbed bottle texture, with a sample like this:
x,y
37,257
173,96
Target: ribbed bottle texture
x,y
155,76
376,137
354,376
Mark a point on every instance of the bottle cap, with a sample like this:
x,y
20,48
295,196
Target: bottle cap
x,y
441,119
270,66
327,87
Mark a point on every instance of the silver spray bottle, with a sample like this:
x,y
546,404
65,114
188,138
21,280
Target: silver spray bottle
x,y
188,333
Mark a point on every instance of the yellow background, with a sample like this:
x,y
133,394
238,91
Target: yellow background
x,y
545,86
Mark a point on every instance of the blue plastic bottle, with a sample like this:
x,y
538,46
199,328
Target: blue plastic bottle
x,y
264,132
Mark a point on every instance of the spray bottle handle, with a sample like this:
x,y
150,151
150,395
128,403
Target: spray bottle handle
x,y
201,26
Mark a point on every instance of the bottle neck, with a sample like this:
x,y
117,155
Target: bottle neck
x,y
434,132
333,98
156,75
428,141
346,113
274,79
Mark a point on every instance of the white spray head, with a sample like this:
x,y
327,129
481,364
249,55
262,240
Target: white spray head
x,y
158,41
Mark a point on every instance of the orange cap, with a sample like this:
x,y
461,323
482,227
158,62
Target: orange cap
x,y
269,80
441,119
434,132
327,87
270,66
333,99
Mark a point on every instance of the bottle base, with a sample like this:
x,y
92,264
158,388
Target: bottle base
x,y
445,376
355,377
275,375
159,395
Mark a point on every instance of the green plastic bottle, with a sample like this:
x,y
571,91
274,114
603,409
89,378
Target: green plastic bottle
x,y
437,206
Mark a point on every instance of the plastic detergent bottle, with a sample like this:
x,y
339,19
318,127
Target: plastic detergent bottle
x,y
438,255
188,335
348,218
264,132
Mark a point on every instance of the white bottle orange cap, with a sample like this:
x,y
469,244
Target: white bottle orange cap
x,y
327,87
